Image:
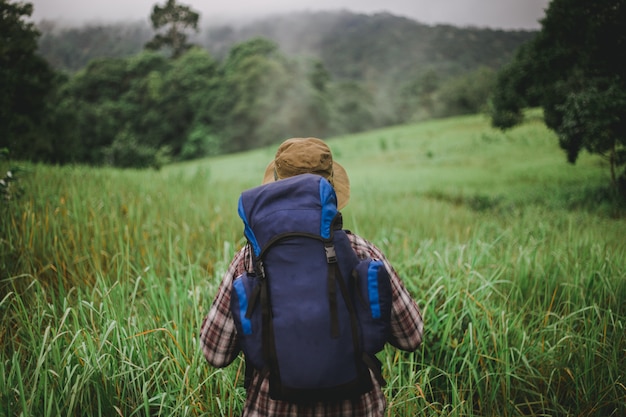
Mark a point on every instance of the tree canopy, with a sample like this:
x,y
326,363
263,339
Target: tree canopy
x,y
175,19
26,79
143,109
138,110
574,69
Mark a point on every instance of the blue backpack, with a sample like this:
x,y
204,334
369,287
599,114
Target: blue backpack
x,y
311,315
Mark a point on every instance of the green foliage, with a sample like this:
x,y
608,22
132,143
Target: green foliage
x,y
127,152
192,106
265,97
592,119
388,56
91,101
248,71
26,80
319,77
201,142
176,19
467,94
417,100
352,108
573,71
189,90
515,89
145,105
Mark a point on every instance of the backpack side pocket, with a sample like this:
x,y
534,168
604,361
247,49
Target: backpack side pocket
x,y
373,304
247,316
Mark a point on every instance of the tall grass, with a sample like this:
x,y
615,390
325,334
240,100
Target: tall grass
x,y
517,259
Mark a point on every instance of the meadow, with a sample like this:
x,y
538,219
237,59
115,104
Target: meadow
x,y
517,259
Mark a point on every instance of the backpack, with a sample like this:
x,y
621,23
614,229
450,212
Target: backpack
x,y
311,315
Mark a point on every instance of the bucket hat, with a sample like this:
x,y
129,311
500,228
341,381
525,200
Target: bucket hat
x,y
297,156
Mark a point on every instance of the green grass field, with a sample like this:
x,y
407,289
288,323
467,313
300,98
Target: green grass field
x,y
517,259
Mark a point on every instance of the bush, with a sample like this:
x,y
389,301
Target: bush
x,y
127,152
201,142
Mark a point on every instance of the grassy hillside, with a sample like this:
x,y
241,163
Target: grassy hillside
x,y
517,259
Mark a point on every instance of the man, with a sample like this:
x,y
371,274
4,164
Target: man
x,y
219,337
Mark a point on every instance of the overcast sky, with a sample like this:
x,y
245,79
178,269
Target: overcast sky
x,y
501,14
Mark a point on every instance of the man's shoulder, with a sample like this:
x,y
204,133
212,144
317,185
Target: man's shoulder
x,y
362,246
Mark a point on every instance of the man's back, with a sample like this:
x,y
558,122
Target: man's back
x,y
221,340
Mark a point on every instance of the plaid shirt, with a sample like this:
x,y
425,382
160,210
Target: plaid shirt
x,y
218,338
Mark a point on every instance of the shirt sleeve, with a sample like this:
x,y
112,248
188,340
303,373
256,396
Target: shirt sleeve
x,y
218,334
407,325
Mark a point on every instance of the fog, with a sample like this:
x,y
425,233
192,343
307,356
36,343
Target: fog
x,y
499,14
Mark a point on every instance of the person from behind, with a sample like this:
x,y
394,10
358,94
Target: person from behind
x,y
222,334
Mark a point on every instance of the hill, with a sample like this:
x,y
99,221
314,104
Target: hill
x,y
361,46
350,45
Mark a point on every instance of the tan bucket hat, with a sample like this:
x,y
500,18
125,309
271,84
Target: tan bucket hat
x,y
309,155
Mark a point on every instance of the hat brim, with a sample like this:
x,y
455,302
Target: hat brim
x,y
341,182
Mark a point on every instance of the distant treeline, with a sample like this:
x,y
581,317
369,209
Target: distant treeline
x,y
353,46
317,74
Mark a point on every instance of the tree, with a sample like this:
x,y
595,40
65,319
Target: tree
x,y
467,94
241,105
176,19
189,90
573,69
265,97
416,99
352,108
141,110
26,79
92,99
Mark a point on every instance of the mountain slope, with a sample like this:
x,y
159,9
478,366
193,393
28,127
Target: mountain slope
x,y
350,45
358,46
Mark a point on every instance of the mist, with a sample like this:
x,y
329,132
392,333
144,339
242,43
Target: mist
x,y
498,14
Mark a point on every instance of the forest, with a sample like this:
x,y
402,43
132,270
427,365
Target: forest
x,y
111,100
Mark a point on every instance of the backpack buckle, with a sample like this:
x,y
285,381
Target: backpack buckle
x,y
331,255
259,269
